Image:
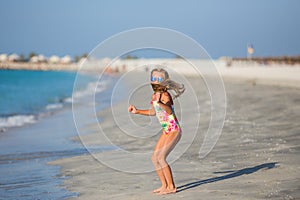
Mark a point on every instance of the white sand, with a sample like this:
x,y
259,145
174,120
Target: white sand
x,y
272,74
256,157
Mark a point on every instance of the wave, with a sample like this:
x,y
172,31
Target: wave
x,y
16,120
21,119
54,106
92,88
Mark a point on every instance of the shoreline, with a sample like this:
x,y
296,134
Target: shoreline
x,y
271,74
58,86
37,66
255,157
26,152
27,149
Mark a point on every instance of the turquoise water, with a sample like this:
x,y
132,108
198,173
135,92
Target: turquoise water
x,y
27,94
36,124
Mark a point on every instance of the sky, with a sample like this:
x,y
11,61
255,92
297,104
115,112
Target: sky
x,y
222,27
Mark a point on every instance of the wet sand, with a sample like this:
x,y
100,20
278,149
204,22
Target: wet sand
x,y
256,157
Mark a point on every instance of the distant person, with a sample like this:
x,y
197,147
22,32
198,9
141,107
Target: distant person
x,y
162,106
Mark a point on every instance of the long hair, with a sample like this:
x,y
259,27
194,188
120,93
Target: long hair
x,y
170,84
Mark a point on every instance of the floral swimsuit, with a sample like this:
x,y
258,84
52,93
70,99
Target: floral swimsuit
x,y
168,122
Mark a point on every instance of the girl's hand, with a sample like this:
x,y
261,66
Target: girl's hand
x,y
132,109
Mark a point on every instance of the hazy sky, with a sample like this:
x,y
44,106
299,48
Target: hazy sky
x,y
222,27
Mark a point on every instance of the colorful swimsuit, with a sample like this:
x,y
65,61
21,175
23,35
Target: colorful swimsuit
x,y
168,121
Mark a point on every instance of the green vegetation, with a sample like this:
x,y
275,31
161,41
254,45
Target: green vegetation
x,y
77,58
31,54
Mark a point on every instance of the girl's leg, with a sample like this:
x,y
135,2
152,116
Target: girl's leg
x,y
155,157
170,142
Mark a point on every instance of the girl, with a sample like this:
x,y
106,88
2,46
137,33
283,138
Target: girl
x,y
162,107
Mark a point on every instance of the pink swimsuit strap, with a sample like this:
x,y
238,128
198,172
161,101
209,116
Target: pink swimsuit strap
x,y
168,121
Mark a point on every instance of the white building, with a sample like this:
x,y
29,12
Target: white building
x,y
42,58
66,59
3,57
38,59
54,59
34,59
13,57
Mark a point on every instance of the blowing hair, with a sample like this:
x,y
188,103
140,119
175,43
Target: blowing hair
x,y
170,84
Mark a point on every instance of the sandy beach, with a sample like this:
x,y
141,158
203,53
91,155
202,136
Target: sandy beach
x,y
73,74
256,156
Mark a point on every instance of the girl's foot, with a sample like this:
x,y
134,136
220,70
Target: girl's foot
x,y
168,191
158,190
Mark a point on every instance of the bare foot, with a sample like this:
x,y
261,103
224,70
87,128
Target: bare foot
x,y
158,190
168,191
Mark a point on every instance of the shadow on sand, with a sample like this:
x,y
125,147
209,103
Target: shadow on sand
x,y
232,174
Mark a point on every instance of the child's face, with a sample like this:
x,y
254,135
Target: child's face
x,y
157,77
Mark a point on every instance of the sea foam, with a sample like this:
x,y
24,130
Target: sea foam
x,y
16,120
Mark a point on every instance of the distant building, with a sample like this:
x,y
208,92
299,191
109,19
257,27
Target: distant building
x,y
3,57
54,59
66,59
13,57
38,59
34,59
42,58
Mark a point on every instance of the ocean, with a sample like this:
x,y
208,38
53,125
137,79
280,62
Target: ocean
x,y
36,123
27,95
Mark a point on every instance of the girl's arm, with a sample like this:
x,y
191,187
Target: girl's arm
x,y
150,112
163,99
